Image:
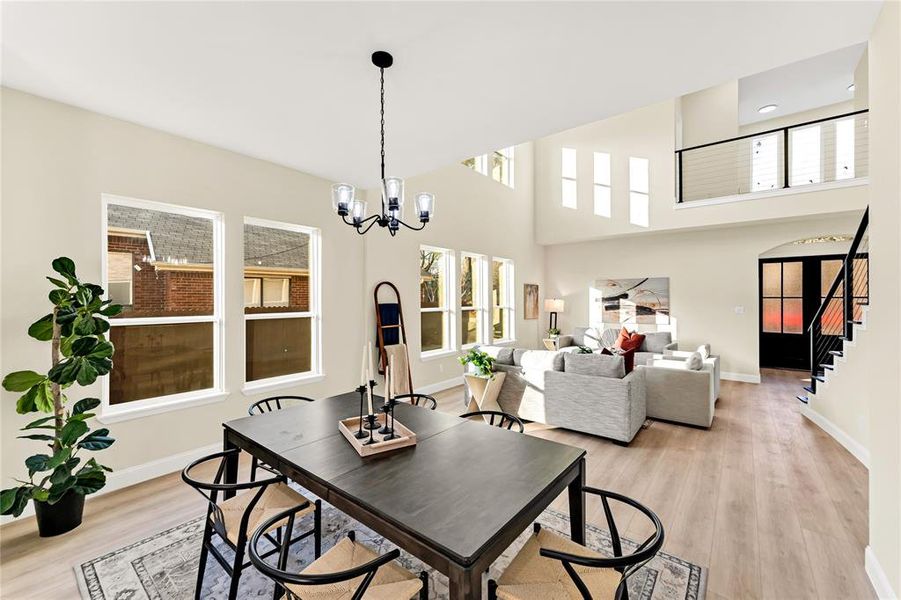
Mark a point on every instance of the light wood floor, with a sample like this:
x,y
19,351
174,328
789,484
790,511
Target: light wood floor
x,y
771,504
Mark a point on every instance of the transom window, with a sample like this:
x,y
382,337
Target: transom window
x,y
479,163
639,190
281,282
164,263
602,191
435,304
568,176
502,166
502,300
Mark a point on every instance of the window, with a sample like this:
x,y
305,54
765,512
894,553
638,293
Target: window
x,y
119,285
479,164
782,298
844,149
281,308
166,262
638,191
602,203
764,163
473,280
435,276
502,300
832,321
568,175
805,156
502,166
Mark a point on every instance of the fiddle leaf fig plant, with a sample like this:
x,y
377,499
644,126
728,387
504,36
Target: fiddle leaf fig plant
x,y
80,353
482,361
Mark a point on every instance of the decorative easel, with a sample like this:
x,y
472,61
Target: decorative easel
x,y
389,326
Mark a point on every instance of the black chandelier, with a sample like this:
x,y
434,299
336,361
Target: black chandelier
x,y
392,210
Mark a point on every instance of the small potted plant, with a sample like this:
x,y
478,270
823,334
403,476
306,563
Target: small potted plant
x,y
58,480
553,333
482,362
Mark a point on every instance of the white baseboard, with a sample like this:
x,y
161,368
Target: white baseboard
x,y
440,386
877,576
743,377
850,444
129,476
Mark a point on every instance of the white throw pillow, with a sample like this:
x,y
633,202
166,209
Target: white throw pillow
x,y
694,361
704,351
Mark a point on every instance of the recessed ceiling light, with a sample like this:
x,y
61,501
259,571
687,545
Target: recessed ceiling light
x,y
767,108
851,88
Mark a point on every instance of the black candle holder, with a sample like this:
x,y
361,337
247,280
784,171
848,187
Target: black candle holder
x,y
360,434
371,424
388,409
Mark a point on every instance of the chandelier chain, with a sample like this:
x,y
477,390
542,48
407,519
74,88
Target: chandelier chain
x,y
382,115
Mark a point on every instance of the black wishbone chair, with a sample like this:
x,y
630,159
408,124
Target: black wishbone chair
x,y
347,570
549,563
498,419
268,405
236,518
417,400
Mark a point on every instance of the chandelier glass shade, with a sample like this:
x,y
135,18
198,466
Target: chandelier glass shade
x,y
352,210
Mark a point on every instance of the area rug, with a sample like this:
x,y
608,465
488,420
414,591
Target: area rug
x,y
164,566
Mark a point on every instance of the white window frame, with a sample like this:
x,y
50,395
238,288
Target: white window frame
x,y
639,191
481,301
138,408
510,305
507,157
314,313
766,158
603,189
451,291
566,178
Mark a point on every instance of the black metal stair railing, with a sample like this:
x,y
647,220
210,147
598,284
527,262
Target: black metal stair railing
x,y
842,308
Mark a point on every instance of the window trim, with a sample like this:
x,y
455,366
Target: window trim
x,y
481,301
314,283
574,178
450,292
108,413
509,307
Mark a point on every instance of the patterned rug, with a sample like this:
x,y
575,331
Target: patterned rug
x,y
164,566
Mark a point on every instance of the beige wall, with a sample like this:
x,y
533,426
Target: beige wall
x,y
882,374
711,273
710,115
473,214
649,132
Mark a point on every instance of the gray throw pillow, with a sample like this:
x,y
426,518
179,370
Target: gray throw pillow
x,y
502,355
694,361
656,341
596,365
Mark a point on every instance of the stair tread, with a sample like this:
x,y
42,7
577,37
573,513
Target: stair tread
x,y
836,353
803,399
809,389
830,367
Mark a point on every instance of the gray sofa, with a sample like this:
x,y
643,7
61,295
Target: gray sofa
x,y
655,342
589,393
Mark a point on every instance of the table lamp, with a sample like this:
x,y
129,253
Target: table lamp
x,y
553,306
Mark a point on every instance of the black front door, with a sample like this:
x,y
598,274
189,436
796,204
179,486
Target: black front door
x,y
791,290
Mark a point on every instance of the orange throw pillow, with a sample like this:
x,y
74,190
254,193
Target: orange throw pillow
x,y
629,341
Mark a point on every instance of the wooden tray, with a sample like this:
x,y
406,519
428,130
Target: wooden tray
x,y
348,427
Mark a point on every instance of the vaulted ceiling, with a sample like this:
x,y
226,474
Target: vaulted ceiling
x,y
291,82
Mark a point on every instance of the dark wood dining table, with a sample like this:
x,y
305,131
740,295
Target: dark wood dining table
x,y
456,500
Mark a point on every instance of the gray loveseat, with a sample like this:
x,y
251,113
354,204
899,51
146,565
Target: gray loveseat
x,y
589,393
655,342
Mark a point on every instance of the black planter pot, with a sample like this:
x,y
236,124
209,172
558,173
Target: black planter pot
x,y
56,519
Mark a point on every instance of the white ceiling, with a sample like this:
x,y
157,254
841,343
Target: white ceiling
x,y
291,82
799,86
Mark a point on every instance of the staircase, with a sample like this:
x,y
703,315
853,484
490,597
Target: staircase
x,y
842,315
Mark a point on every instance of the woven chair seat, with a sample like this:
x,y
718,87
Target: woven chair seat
x,y
531,576
277,498
391,581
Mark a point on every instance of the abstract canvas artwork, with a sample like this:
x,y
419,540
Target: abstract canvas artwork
x,y
530,301
644,300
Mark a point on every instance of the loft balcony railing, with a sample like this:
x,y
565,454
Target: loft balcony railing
x,y
826,150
